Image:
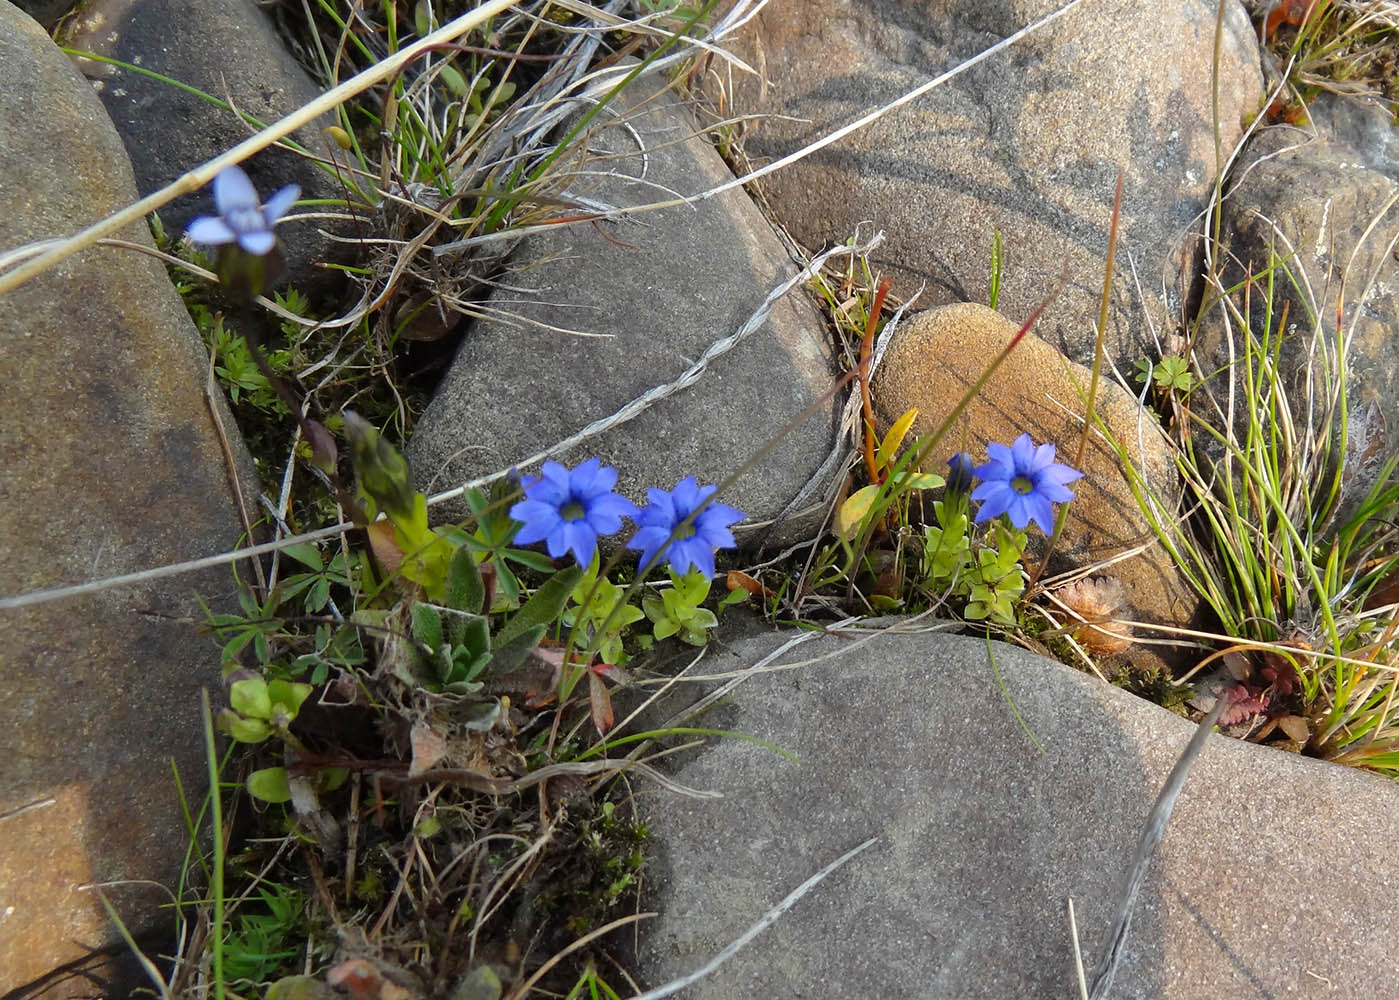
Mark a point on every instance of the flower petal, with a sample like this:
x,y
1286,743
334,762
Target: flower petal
x,y
996,498
211,230
257,243
280,203
583,479
1042,457
539,520
605,512
650,541
233,190
581,540
1058,474
1038,509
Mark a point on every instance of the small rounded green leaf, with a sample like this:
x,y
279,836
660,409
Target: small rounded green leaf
x,y
248,730
289,695
250,698
270,784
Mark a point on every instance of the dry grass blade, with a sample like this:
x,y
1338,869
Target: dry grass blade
x,y
766,921
1154,830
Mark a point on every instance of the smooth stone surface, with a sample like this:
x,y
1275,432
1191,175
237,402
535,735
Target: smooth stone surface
x,y
109,464
936,356
1273,878
1028,142
1323,198
650,296
228,49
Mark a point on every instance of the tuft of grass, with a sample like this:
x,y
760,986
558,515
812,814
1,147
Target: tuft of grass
x,y
1293,572
1338,46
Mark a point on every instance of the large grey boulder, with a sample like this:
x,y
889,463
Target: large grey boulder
x,y
591,317
109,464
1028,142
1273,878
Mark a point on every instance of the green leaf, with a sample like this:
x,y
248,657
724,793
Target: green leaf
x,y
694,585
479,717
427,626
481,983
857,508
507,657
289,695
544,607
306,553
246,730
382,472
455,82
250,698
465,589
475,635
270,784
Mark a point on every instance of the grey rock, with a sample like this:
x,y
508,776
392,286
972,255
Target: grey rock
x,y
651,296
46,12
228,49
1272,878
1323,199
109,463
1028,142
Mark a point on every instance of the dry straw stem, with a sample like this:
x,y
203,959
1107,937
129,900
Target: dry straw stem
x,y
202,175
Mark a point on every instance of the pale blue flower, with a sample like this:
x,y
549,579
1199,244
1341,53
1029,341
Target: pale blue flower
x,y
241,219
1023,482
693,544
569,510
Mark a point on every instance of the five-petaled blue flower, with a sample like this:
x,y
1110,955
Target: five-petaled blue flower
x,y
1022,482
569,510
693,544
241,219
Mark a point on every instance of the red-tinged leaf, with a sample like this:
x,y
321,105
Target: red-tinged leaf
x,y
1244,703
600,703
1279,670
429,747
612,673
383,545
737,580
356,977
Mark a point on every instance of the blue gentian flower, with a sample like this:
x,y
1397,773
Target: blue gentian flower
x,y
693,544
569,510
241,219
1023,482
959,473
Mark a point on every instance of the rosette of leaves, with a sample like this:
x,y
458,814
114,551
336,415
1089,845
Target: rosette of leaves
x,y
455,650
259,708
602,613
998,579
676,611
